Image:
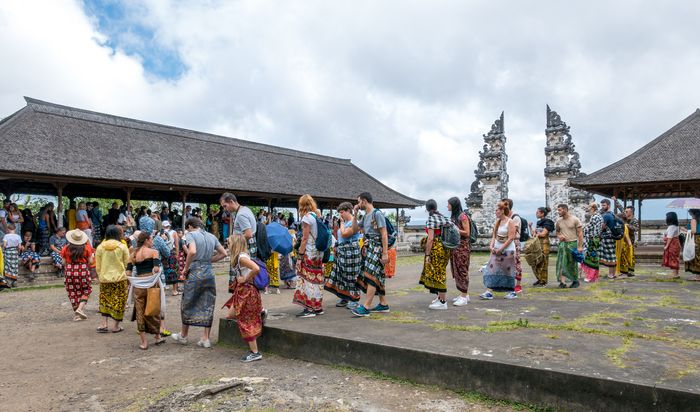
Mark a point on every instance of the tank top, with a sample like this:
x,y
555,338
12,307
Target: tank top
x,y
502,233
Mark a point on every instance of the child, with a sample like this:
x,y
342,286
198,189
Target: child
x,y
10,245
30,259
672,245
56,244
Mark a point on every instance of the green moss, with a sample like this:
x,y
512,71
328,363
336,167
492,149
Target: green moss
x,y
32,288
616,355
396,316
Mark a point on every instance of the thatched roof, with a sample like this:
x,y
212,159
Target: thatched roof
x,y
97,154
668,166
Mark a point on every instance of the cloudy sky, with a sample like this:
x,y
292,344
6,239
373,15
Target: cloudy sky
x,y
404,88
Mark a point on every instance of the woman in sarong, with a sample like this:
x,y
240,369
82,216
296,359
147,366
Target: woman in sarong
x,y
591,244
112,258
199,294
500,271
434,275
273,269
459,260
672,245
146,289
47,226
693,266
170,264
348,260
623,250
544,228
11,243
309,267
287,264
245,304
77,257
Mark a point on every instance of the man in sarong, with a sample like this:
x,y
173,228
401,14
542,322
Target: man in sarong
x,y
608,255
570,234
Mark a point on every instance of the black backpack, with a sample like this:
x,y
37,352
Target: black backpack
x,y
473,230
524,229
264,250
617,232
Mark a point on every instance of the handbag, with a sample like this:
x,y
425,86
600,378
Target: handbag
x,y
689,248
152,302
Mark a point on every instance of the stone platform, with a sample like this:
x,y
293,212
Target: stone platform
x,y
631,344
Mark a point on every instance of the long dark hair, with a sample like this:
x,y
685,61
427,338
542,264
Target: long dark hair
x,y
431,206
695,213
77,252
456,206
113,232
672,218
544,210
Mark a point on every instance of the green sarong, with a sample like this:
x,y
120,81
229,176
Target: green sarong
x,y
566,265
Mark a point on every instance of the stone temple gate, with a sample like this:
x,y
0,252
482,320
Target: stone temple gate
x,y
491,178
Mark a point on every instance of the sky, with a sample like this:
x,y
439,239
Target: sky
x,y
405,89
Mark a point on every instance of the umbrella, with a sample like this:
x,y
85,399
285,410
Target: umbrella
x,y
279,238
690,203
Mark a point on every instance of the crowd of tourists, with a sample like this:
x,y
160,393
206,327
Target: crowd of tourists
x,y
137,258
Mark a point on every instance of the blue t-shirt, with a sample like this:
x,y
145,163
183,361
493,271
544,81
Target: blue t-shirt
x,y
352,238
609,220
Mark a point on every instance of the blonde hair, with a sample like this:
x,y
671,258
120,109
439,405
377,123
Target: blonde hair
x,y
237,245
503,207
307,204
593,206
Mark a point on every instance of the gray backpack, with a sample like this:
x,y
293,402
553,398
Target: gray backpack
x,y
450,236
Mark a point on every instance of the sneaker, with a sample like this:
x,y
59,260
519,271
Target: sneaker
x,y
251,357
204,344
574,284
319,312
380,308
461,301
306,314
360,311
486,296
179,338
630,275
341,303
438,305
454,299
511,295
562,285
537,283
540,285
352,305
437,299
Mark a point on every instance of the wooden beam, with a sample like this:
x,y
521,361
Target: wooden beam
x,y
59,206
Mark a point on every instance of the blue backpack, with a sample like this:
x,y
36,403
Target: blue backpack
x,y
324,237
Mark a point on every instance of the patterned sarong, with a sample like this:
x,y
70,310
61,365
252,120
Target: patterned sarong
x,y
459,264
694,265
199,296
248,307
672,254
625,256
372,267
566,265
434,275
113,299
499,273
29,255
287,268
309,291
11,263
347,267
43,243
591,261
148,324
607,253
170,269
273,269
78,283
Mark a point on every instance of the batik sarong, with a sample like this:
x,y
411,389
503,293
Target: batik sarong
x,y
624,255
390,267
247,306
372,267
113,299
518,267
347,267
591,260
694,265
566,265
309,291
30,256
170,269
78,283
541,269
499,273
607,253
147,324
672,254
459,264
12,263
434,275
43,243
199,296
287,268
273,269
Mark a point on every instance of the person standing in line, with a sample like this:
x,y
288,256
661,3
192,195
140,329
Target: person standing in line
x,y
16,217
170,263
624,252
3,218
78,256
693,266
199,294
112,259
633,228
244,222
570,235
437,256
82,219
245,304
11,246
608,255
375,254
47,226
348,260
309,266
518,222
591,244
542,231
96,223
500,271
459,260
672,245
70,215
145,262
113,214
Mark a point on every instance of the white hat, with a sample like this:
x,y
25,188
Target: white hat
x,y
166,223
76,237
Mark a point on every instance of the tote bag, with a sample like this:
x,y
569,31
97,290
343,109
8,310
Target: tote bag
x,y
689,248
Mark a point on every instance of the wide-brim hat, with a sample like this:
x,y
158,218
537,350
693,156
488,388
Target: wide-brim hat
x,y
76,237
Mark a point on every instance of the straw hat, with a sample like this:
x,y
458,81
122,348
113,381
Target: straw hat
x,y
76,237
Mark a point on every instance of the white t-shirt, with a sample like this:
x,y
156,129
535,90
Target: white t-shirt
x,y
672,231
12,240
310,219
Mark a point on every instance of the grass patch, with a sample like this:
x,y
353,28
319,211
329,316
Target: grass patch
x,y
37,287
668,301
398,317
616,355
552,336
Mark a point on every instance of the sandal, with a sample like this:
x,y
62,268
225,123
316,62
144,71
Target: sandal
x,y
159,342
143,347
117,330
102,330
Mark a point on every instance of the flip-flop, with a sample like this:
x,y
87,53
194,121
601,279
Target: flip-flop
x,y
102,330
159,342
143,348
118,330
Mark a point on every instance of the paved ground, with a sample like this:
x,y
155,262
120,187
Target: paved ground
x,y
53,363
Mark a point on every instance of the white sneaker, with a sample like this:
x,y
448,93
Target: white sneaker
x,y
438,305
435,300
455,299
204,344
461,301
179,339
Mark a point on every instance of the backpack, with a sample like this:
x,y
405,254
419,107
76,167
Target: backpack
x,y
324,237
473,230
524,230
261,281
617,232
449,235
264,251
390,229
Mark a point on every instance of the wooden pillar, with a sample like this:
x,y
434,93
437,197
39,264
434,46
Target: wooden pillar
x,y
639,220
184,205
128,191
59,206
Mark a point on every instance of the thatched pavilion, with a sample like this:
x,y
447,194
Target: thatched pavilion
x,y
57,150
